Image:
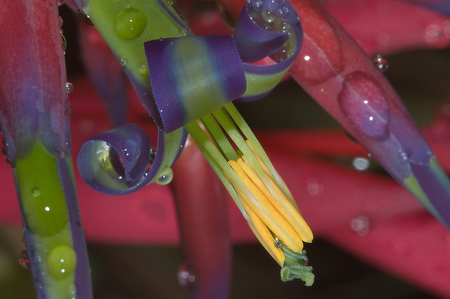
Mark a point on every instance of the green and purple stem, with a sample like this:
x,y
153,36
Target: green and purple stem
x,y
34,116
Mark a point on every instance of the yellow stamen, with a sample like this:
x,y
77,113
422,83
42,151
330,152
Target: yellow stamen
x,y
262,233
266,212
279,202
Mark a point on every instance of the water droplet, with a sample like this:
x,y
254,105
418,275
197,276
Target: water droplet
x,y
130,23
61,21
123,62
61,2
69,87
62,261
313,187
360,225
169,2
186,277
182,32
24,261
403,155
69,109
364,103
64,42
165,176
268,15
380,63
71,291
35,192
131,150
84,18
361,164
152,155
143,69
278,243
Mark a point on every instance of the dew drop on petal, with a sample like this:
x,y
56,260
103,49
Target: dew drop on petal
x,y
165,176
380,63
131,150
62,261
130,23
69,87
365,105
278,243
24,261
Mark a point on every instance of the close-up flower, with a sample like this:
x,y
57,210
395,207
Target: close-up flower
x,y
163,96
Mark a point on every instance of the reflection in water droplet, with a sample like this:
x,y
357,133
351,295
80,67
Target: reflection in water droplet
x,y
165,176
131,150
62,261
186,277
35,192
360,225
278,243
69,87
364,103
380,63
24,261
361,164
130,23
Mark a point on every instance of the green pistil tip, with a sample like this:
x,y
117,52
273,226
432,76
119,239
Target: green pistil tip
x,y
295,267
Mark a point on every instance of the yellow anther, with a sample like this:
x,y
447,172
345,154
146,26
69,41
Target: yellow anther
x,y
262,207
279,202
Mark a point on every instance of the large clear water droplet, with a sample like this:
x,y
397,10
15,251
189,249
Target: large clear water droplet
x,y
130,23
62,261
380,63
278,243
165,176
365,104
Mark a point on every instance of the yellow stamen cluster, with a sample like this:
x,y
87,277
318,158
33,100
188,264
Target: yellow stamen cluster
x,y
273,218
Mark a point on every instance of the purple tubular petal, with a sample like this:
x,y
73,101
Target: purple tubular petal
x,y
83,285
285,23
115,162
193,76
253,42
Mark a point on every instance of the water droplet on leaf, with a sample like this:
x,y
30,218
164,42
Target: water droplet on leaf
x,y
130,23
35,192
62,261
143,69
